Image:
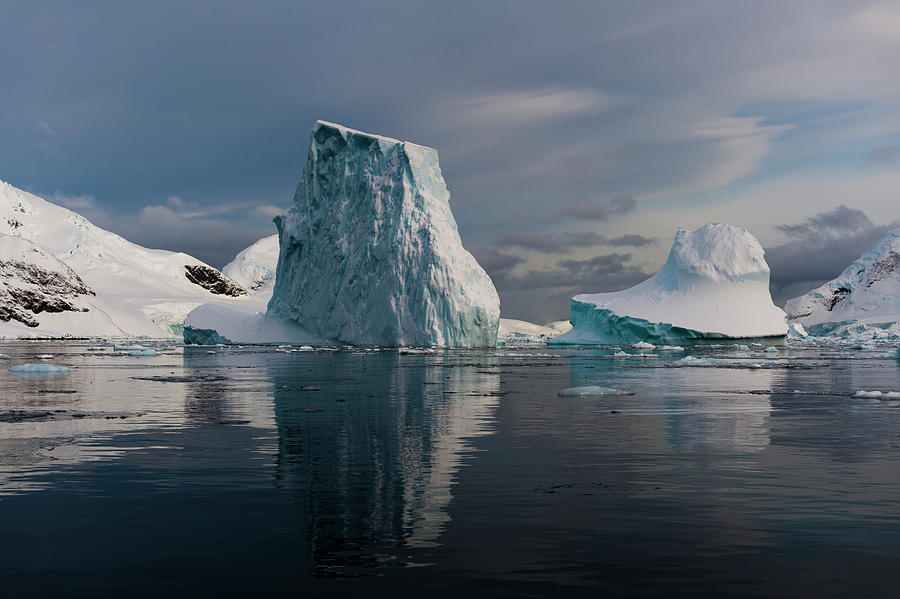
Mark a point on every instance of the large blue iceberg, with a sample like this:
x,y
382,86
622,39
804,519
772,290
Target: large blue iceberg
x,y
370,253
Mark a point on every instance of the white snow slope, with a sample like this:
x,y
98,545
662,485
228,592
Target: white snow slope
x,y
513,331
370,253
863,301
254,268
139,291
715,284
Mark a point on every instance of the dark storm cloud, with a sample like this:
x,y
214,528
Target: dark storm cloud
x,y
819,249
497,264
593,211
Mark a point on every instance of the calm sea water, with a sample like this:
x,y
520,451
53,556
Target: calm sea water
x,y
253,471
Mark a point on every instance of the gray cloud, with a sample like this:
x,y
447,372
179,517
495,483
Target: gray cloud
x,y
497,264
552,243
632,240
594,211
883,157
819,249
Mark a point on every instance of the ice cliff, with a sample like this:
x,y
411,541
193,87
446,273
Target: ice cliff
x,y
715,284
863,301
370,253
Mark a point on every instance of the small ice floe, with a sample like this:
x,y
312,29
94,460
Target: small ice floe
x,y
5,357
695,361
143,353
671,348
128,347
877,394
592,391
741,347
44,357
771,349
39,369
96,348
210,352
412,351
306,348
643,345
621,354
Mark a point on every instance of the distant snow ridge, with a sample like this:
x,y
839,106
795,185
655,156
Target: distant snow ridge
x,y
863,301
132,290
370,253
254,268
715,284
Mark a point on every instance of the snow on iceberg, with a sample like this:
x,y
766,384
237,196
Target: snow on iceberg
x,y
863,301
370,253
715,284
212,324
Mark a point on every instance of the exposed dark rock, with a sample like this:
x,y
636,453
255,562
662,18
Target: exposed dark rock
x,y
27,289
839,294
887,267
212,280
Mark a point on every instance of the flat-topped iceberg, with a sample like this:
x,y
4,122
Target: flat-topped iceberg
x,y
715,284
863,301
370,253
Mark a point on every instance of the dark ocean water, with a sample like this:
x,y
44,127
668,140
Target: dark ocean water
x,y
255,471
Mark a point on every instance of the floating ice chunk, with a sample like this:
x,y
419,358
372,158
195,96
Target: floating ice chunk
x,y
671,348
621,354
877,394
5,357
44,357
771,349
592,391
643,345
39,369
412,351
128,347
143,353
695,361
741,347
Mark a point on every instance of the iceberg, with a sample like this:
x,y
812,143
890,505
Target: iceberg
x,y
862,302
370,253
40,369
714,285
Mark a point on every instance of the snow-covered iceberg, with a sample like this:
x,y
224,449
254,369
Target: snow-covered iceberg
x,y
370,253
863,301
715,284
130,290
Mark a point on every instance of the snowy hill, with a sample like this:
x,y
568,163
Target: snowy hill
x,y
254,267
137,291
513,331
370,253
715,284
864,300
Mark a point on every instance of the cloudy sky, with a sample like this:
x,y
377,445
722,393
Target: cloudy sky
x,y
575,137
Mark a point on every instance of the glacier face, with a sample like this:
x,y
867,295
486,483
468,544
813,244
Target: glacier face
x,y
863,301
370,253
715,284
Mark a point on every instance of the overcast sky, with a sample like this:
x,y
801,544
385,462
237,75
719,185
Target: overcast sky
x,y
575,137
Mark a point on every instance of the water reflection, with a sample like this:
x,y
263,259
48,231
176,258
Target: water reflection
x,y
369,446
